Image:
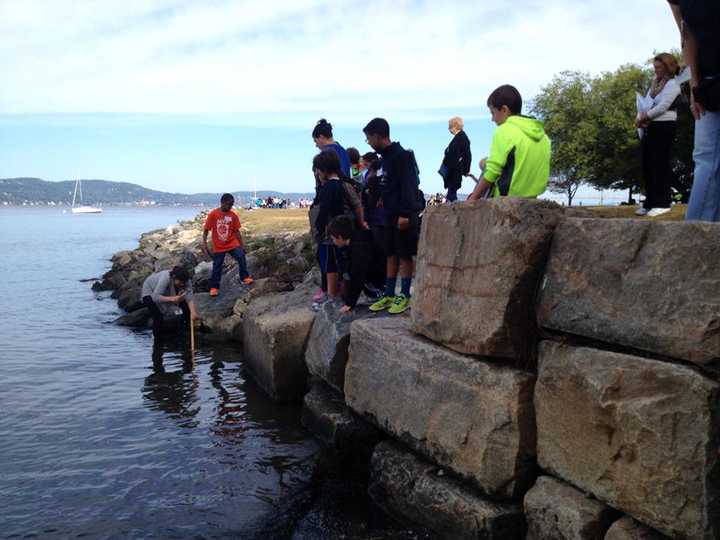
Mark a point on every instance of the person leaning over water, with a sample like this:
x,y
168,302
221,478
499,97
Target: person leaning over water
x,y
457,159
659,124
226,238
519,161
165,291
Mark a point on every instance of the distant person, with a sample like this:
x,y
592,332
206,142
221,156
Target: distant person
x,y
226,239
699,21
166,291
356,260
457,160
322,135
402,202
519,161
659,125
331,203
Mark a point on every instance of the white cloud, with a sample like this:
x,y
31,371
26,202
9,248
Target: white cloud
x,y
354,58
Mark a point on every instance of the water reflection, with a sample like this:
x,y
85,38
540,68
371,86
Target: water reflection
x,y
173,388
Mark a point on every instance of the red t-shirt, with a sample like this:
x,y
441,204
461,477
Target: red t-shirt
x,y
223,225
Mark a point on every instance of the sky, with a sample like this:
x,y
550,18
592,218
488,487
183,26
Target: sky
x,y
222,95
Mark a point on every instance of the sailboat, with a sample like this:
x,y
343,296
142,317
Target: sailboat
x,y
82,209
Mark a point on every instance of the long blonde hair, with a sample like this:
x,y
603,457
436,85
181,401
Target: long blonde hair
x,y
672,68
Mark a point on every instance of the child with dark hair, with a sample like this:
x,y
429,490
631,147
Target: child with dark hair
x,y
226,239
322,135
331,203
355,255
402,202
519,161
165,290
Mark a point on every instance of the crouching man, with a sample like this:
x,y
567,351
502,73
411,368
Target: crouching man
x,y
167,293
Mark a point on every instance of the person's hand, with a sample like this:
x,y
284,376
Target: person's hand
x,y
208,251
345,309
403,223
696,109
194,317
179,298
483,163
365,225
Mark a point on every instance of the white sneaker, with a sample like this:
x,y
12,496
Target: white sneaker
x,y
654,212
641,211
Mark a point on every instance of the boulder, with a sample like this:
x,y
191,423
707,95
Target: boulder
x,y
557,511
472,416
327,350
275,331
326,415
627,528
653,286
407,486
478,268
129,299
641,435
136,319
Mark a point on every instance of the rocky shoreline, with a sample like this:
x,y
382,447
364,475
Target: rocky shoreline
x,y
555,378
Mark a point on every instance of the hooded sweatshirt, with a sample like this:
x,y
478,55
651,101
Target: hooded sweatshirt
x,y
519,162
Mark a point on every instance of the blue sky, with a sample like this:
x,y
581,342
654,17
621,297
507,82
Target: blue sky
x,y
197,95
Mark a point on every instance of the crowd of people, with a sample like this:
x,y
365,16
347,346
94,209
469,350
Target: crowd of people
x,y
367,210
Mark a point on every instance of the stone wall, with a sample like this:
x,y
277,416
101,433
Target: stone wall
x,y
557,378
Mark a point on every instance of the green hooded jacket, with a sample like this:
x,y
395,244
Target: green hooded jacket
x,y
519,162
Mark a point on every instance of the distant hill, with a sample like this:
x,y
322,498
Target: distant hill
x,y
16,191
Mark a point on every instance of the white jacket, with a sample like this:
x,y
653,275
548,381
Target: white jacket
x,y
660,111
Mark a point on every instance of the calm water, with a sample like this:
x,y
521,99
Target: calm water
x,y
104,436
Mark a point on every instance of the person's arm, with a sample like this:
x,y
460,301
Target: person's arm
x,y
193,310
493,164
321,221
664,101
236,224
206,229
480,190
407,183
690,54
354,202
160,287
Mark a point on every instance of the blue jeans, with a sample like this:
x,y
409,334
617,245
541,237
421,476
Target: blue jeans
x,y
705,195
219,258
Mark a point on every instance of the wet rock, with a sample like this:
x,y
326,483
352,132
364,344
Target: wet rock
x,y
405,485
129,298
641,435
648,285
136,319
326,415
327,351
276,328
470,415
557,511
627,528
478,268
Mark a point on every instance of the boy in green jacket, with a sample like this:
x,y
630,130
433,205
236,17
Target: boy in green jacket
x,y
519,162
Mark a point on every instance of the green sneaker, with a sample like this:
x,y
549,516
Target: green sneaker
x,y
384,303
400,304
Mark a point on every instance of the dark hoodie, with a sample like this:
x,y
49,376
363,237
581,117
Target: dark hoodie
x,y
399,182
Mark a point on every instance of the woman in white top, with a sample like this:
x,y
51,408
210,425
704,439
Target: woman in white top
x,y
660,124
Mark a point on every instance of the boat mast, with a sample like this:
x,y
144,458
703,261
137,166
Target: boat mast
x,y
74,193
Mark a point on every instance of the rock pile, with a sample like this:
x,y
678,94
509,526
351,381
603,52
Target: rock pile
x,y
556,379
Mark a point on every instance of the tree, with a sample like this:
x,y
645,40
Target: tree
x,y
563,106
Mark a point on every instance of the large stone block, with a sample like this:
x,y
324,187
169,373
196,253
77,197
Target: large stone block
x,y
478,269
275,331
472,416
641,435
627,528
557,511
327,350
326,415
653,286
408,486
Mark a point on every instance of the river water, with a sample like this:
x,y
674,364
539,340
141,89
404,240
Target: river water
x,y
105,435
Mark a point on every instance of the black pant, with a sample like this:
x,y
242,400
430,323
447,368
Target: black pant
x,y
157,315
451,194
657,172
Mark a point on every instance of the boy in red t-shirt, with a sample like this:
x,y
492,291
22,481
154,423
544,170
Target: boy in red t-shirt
x,y
225,227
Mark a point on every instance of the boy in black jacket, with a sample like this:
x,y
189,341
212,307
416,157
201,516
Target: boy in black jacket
x,y
402,202
356,246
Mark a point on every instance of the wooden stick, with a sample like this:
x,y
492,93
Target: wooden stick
x,y
192,335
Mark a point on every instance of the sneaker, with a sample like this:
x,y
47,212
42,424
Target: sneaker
x,y
384,303
400,304
641,211
654,212
319,296
248,281
213,292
